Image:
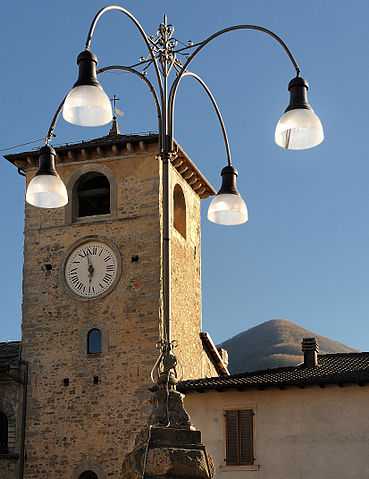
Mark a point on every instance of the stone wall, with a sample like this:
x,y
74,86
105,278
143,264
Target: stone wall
x,y
87,426
186,287
11,406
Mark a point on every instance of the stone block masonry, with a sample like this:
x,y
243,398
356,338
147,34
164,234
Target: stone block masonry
x,y
79,424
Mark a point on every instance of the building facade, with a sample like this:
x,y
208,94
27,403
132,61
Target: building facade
x,y
74,392
92,306
305,421
13,399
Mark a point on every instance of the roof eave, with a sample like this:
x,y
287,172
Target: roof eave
x,y
119,144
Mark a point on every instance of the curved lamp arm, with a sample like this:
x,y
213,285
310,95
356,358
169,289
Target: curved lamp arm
x,y
217,111
145,37
123,68
54,121
144,78
181,73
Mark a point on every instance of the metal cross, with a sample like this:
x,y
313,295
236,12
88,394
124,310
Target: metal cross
x,y
114,101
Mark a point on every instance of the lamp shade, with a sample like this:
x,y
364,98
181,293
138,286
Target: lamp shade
x,y
228,208
299,127
46,189
87,104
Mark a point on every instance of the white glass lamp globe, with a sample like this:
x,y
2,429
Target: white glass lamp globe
x,y
87,105
228,209
299,129
47,191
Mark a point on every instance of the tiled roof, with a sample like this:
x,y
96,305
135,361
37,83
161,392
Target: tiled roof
x,y
339,369
147,137
9,353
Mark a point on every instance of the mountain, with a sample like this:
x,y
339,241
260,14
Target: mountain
x,y
273,344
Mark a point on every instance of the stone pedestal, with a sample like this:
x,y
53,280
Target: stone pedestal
x,y
168,453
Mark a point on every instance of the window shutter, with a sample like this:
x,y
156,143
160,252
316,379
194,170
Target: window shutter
x,y
245,436
239,437
231,437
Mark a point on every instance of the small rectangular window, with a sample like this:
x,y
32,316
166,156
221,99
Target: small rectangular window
x,y
239,437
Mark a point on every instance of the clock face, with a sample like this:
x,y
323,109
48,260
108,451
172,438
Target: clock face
x,y
91,269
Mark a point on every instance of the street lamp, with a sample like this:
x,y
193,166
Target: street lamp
x,y
299,127
88,105
46,189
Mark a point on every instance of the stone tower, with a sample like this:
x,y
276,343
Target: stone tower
x,y
92,301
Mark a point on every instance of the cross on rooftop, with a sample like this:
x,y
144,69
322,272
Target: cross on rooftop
x,y
114,101
114,130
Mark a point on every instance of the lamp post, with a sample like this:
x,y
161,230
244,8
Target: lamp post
x,y
87,104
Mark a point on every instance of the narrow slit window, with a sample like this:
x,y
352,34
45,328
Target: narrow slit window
x,y
4,433
92,195
179,210
239,437
94,345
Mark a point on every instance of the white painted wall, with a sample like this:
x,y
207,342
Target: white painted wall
x,y
310,433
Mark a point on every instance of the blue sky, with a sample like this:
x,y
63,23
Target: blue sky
x,y
304,254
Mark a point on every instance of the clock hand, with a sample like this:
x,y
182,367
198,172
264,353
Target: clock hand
x,y
91,269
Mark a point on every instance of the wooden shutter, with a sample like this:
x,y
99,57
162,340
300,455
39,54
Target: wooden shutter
x,y
245,420
232,455
239,437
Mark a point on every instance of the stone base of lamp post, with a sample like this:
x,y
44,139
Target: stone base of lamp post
x,y
168,453
170,448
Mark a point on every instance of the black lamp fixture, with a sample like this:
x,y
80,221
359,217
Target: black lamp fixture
x,y
46,189
87,104
228,208
299,127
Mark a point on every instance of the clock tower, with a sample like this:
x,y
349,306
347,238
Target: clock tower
x,y
92,301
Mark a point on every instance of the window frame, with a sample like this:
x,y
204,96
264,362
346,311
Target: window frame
x,y
69,210
239,465
76,197
88,351
180,231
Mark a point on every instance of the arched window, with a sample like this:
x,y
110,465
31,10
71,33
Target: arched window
x,y
179,210
88,475
3,433
91,195
94,341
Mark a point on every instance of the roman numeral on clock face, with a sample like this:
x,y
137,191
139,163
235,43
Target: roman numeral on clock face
x,y
107,278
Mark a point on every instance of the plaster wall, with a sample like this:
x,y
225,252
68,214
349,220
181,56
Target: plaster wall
x,y
298,433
